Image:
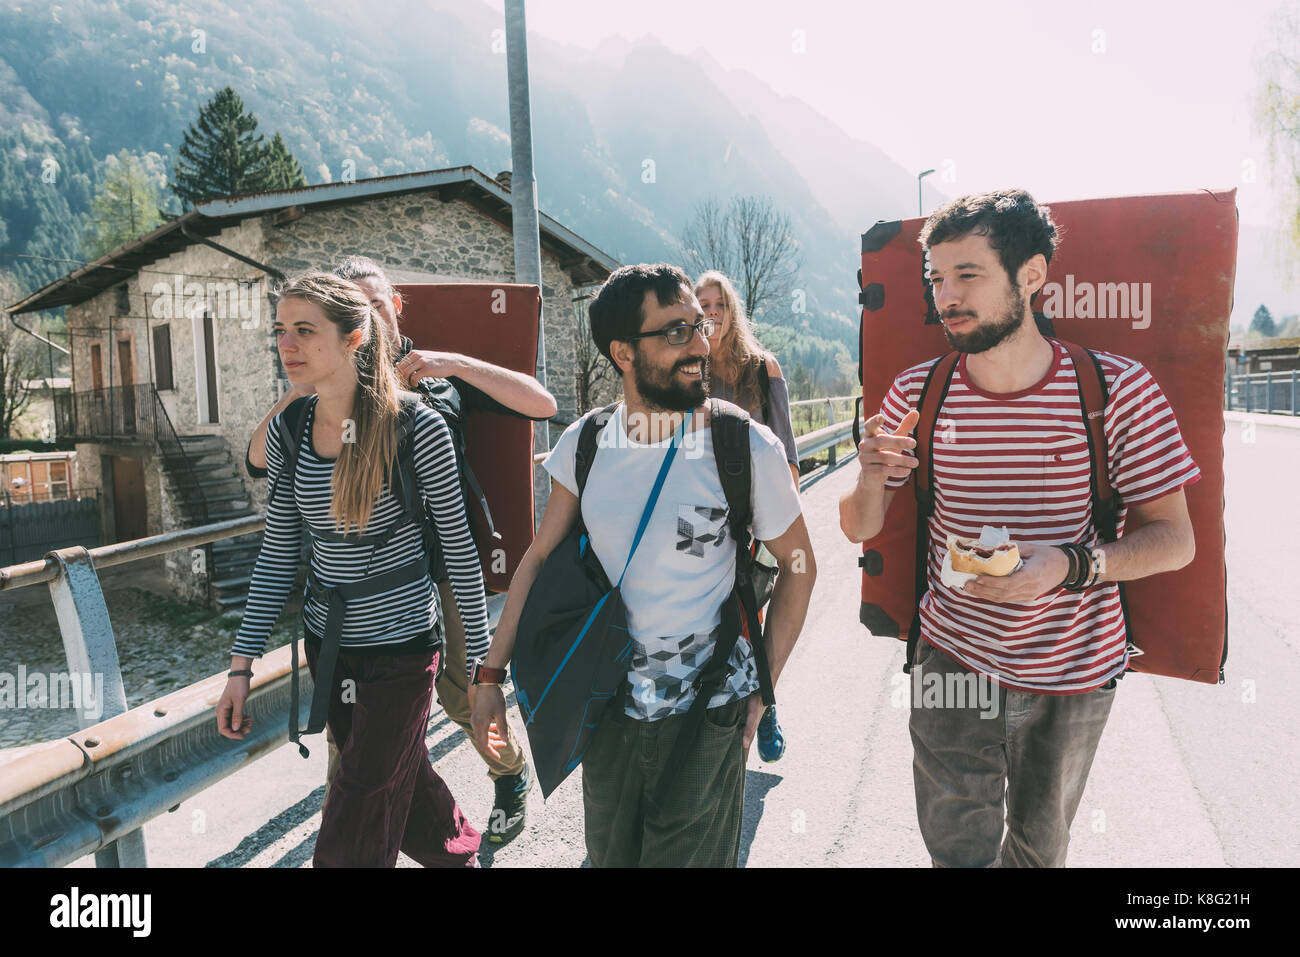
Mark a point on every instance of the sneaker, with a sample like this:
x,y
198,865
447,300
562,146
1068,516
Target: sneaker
x,y
507,818
771,742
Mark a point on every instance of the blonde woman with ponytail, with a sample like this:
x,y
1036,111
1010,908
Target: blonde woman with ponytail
x,y
370,615
743,372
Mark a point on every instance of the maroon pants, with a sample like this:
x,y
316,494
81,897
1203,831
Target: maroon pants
x,y
387,797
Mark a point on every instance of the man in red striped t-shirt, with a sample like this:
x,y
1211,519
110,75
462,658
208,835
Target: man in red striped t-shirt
x,y
1010,450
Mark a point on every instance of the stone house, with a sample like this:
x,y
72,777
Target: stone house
x,y
173,362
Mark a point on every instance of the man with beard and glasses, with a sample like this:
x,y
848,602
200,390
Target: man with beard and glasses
x,y
1014,452
648,323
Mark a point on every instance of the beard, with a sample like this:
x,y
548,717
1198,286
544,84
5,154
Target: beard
x,y
661,390
986,335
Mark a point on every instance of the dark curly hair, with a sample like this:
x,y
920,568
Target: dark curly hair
x,y
616,311
1017,228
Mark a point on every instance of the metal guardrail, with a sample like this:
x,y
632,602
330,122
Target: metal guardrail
x,y
93,791
1272,392
805,450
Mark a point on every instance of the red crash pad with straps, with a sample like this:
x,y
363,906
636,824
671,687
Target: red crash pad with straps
x,y
495,322
1148,277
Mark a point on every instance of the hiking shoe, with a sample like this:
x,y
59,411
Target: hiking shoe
x,y
507,818
771,742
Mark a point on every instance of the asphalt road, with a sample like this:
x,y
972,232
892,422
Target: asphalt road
x,y
1187,775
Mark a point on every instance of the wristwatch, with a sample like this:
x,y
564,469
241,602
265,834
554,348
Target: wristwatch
x,y
483,675
1099,559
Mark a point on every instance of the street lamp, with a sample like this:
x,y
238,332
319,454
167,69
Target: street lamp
x,y
920,208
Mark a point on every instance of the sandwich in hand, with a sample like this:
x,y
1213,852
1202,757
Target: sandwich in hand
x,y
990,554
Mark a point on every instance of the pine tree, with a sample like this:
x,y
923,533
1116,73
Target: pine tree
x,y
1263,323
281,169
124,207
222,153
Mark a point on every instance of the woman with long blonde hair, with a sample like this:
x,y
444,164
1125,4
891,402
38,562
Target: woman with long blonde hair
x,y
743,372
371,610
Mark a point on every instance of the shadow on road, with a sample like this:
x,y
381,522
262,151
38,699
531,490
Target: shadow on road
x,y
273,830
757,784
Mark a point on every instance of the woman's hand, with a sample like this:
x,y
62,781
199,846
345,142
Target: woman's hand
x,y
231,720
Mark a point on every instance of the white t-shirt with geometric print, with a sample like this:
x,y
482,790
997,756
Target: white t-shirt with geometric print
x,y
685,566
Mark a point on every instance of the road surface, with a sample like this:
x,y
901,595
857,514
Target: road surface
x,y
1187,775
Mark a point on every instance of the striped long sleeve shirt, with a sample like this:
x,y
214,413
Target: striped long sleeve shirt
x,y
392,618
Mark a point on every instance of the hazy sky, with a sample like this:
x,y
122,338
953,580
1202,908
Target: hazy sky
x,y
1068,101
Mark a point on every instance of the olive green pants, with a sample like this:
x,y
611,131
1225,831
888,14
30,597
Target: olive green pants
x,y
699,826
453,694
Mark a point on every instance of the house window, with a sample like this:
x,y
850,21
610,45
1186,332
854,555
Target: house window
x,y
162,357
124,300
96,367
60,487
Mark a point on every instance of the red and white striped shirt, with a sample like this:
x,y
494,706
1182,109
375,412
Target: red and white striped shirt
x,y
1020,460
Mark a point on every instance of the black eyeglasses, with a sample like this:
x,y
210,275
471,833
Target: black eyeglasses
x,y
679,333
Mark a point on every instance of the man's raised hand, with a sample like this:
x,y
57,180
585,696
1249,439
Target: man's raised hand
x,y
882,454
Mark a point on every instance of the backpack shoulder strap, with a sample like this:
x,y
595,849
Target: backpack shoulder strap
x,y
765,388
403,480
290,423
1093,396
933,393
585,455
730,426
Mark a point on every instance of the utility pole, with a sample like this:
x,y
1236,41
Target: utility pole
x,y
523,184
523,200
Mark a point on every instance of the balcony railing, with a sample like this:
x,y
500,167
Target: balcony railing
x,y
118,413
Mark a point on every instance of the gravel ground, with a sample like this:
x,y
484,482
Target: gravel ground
x,y
167,645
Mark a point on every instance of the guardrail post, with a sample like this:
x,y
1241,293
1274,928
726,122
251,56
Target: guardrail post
x,y
1227,389
91,651
1268,392
1249,384
1293,385
830,420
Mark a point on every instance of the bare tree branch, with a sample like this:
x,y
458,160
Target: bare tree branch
x,y
591,370
753,243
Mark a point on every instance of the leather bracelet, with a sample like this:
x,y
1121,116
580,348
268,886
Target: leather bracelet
x,y
1086,568
241,673
1074,565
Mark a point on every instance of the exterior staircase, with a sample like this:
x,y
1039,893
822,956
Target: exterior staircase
x,y
208,484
